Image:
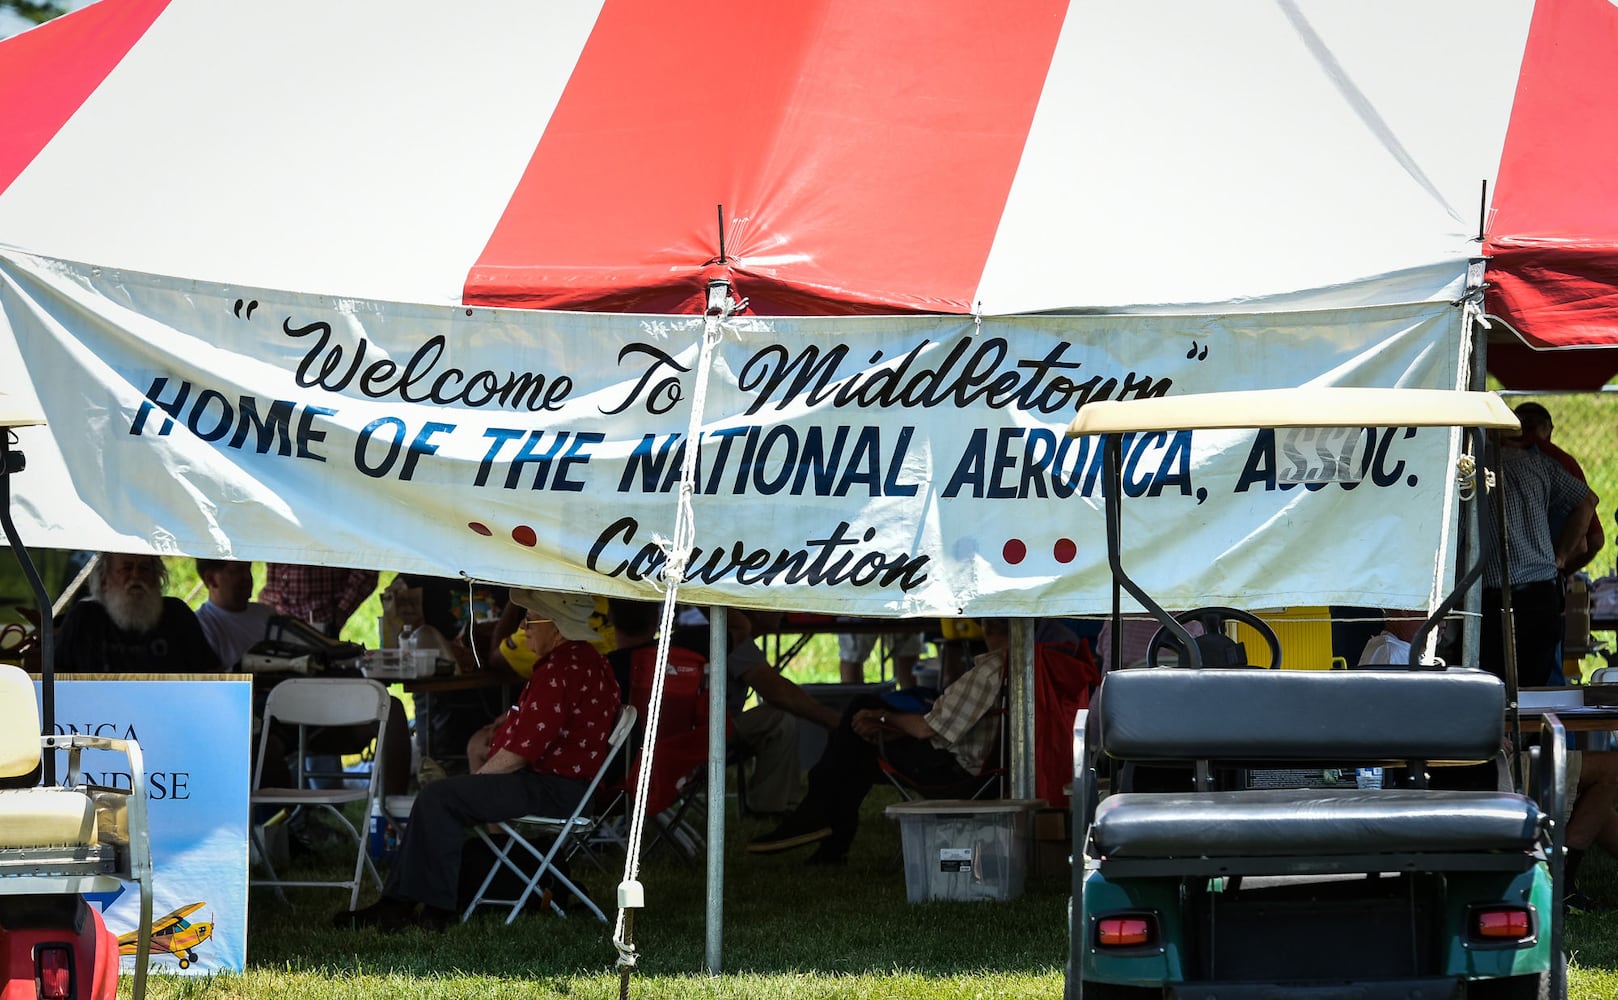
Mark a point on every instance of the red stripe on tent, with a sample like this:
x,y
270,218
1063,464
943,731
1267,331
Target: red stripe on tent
x,y
47,73
1518,366
1554,234
919,111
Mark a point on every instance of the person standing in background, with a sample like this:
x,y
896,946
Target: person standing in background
x,y
1537,492
1537,427
324,596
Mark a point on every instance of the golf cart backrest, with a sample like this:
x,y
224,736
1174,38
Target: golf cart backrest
x,y
1391,715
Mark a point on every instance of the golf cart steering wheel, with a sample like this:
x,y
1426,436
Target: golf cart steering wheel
x,y
1213,621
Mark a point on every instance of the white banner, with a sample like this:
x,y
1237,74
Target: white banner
x,y
873,465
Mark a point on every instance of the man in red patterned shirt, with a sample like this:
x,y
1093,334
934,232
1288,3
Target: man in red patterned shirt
x,y
545,750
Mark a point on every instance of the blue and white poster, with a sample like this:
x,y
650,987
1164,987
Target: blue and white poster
x,y
195,736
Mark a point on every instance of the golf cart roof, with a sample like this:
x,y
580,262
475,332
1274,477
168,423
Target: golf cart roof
x,y
1306,406
14,412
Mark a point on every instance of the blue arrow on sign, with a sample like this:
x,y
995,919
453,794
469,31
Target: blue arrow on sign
x,y
104,899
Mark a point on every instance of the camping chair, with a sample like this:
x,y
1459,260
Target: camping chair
x,y
307,704
76,838
990,781
680,756
567,834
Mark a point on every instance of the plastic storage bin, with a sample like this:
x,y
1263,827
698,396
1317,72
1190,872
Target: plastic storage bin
x,y
965,850
398,664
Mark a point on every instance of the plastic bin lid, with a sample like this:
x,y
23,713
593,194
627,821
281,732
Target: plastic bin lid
x,y
957,807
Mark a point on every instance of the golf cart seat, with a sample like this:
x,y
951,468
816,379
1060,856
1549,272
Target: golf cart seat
x,y
1228,721
73,839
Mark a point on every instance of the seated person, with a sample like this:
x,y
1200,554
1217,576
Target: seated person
x,y
431,608
506,647
231,622
541,760
126,625
634,627
949,743
770,729
1593,775
1391,646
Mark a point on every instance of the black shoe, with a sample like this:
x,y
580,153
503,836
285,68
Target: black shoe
x,y
1578,902
828,855
431,918
390,913
797,831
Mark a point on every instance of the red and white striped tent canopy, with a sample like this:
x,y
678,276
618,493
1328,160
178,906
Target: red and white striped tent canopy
x,y
391,284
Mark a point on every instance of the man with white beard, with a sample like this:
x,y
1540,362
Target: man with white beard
x,y
126,625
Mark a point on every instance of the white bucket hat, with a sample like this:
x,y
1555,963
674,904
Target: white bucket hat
x,y
570,612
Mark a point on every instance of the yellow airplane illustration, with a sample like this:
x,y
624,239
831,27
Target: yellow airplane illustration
x,y
172,934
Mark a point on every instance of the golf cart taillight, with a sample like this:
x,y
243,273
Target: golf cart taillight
x,y
1502,924
1128,930
53,971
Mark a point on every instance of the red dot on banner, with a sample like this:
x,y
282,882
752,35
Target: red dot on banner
x,y
1065,550
522,534
1015,551
480,528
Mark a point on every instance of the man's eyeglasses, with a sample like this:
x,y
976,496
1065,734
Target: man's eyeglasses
x,y
530,622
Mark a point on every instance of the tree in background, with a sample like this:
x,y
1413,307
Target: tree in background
x,y
37,11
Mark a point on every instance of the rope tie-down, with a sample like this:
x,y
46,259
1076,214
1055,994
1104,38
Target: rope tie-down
x,y
677,552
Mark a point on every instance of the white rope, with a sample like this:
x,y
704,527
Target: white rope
x,y
1461,461
676,551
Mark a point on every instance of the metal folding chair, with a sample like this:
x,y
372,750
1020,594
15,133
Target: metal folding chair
x,y
567,834
308,704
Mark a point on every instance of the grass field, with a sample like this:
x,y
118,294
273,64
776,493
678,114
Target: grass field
x,y
790,931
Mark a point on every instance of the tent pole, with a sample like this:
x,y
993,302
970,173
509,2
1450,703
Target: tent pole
x,y
1021,696
718,675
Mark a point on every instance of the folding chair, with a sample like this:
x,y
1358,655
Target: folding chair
x,y
74,838
990,781
567,835
308,704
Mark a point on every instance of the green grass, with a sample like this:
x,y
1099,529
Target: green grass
x,y
790,931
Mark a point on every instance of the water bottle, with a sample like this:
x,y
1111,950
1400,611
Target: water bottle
x,y
407,639
1368,777
378,841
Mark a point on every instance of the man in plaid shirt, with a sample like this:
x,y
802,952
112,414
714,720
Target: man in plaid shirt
x,y
946,745
1537,491
323,596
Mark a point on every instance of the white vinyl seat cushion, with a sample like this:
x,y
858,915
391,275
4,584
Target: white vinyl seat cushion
x,y
46,817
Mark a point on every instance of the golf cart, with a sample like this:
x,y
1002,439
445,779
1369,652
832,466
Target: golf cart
x,y
1199,876
60,838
